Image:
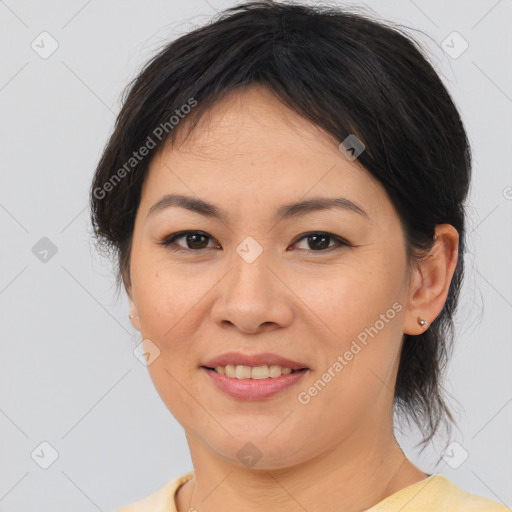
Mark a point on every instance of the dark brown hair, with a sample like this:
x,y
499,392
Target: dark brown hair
x,y
348,74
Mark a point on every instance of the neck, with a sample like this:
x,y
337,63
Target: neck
x,y
352,476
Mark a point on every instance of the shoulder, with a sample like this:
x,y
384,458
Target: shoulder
x,y
474,503
437,493
463,501
161,500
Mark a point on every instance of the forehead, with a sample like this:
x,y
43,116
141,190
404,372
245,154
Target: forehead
x,y
249,147
247,120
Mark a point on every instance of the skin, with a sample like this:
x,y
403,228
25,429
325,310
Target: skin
x,y
249,155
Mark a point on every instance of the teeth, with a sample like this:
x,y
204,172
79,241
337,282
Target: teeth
x,y
243,372
253,372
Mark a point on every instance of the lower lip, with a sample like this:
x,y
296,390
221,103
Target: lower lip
x,y
254,389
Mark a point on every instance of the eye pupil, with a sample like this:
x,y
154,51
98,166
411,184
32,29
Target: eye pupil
x,y
197,241
319,241
194,237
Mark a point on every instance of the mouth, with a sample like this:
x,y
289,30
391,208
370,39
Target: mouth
x,y
256,366
261,372
254,383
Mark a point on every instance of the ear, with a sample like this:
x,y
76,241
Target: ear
x,y
430,280
134,315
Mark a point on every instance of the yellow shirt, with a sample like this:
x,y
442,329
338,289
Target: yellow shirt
x,y
435,493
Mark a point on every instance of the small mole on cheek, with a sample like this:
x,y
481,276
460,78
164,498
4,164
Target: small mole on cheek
x,y
156,275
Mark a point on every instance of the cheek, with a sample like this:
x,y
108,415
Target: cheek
x,y
168,309
356,382
168,296
358,312
348,298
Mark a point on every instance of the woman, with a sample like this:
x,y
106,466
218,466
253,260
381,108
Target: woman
x,y
284,191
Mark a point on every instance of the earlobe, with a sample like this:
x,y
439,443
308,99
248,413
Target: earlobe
x,y
422,322
431,281
133,315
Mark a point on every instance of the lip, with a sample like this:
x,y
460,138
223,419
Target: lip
x,y
253,389
237,358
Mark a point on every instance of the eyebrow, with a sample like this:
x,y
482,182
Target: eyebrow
x,y
284,212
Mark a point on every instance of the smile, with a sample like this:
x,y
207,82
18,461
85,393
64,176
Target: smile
x,y
253,388
253,372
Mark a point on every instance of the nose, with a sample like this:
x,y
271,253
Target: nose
x,y
253,298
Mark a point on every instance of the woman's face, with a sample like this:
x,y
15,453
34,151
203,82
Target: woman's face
x,y
253,282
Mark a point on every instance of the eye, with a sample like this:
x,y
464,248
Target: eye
x,y
194,240
319,241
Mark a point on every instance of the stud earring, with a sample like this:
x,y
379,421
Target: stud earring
x,y
422,322
131,316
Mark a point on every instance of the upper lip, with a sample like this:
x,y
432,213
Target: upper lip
x,y
236,358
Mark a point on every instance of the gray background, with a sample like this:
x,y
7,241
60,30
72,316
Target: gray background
x,y
68,375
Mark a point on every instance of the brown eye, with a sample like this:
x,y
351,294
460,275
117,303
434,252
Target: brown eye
x,y
194,240
320,241
198,240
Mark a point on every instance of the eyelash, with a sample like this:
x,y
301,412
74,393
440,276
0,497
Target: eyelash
x,y
171,239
